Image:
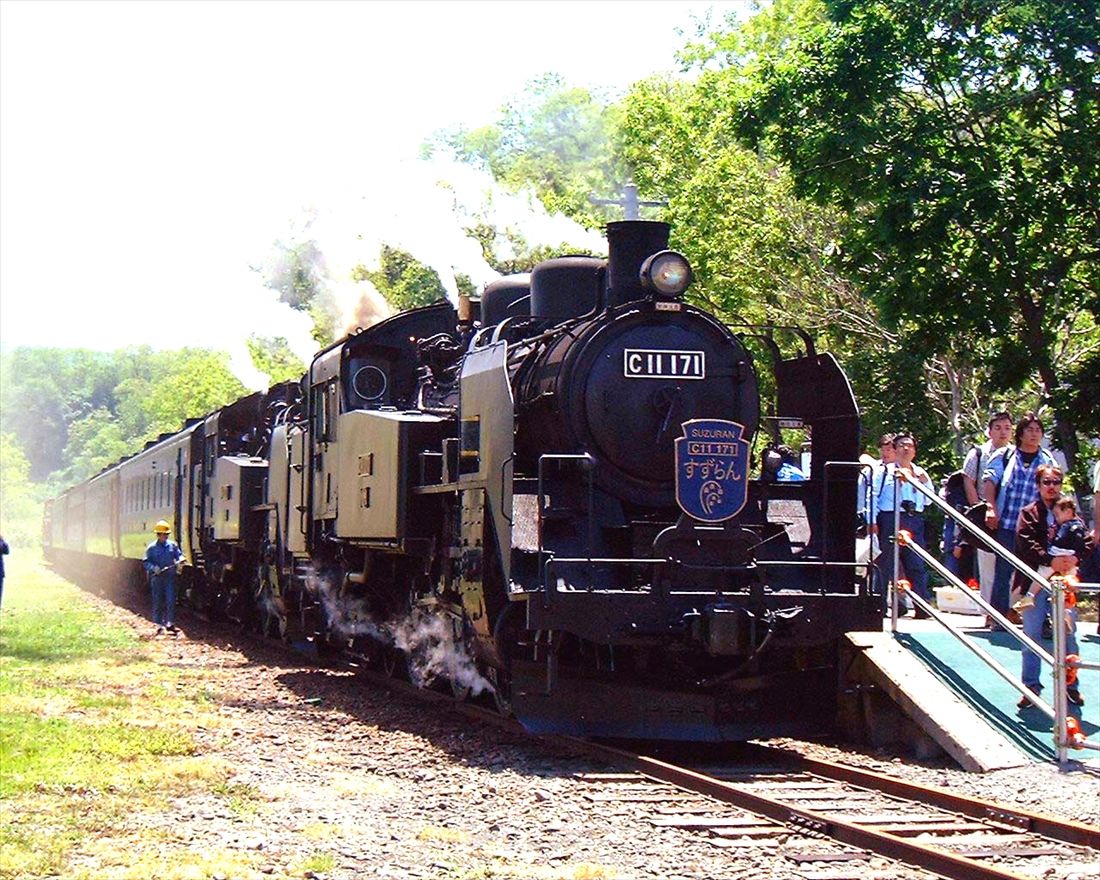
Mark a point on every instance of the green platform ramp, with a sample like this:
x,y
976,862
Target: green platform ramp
x,y
995,700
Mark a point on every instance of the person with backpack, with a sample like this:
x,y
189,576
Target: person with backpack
x,y
1009,485
958,547
977,460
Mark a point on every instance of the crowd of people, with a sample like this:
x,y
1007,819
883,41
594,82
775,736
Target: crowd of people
x,y
1012,487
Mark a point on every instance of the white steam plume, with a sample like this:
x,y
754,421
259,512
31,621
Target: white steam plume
x,y
419,207
426,639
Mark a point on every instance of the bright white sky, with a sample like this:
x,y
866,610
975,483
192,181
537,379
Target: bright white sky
x,y
150,153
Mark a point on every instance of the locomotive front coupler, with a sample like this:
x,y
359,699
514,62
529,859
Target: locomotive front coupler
x,y
724,630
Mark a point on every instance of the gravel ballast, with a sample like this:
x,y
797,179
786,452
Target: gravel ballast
x,y
344,779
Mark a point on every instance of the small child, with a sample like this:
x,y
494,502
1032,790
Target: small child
x,y
1069,540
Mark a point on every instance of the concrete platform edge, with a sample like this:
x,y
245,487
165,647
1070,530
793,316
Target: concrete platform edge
x,y
877,661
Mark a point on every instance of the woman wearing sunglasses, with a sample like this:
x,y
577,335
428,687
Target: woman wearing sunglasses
x,y
1034,533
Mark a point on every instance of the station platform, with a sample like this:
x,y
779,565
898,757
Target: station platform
x,y
993,699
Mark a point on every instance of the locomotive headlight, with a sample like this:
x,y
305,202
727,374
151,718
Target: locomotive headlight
x,y
668,273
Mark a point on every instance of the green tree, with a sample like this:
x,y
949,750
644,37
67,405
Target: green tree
x,y
272,355
20,499
962,134
46,389
553,139
760,253
94,441
298,273
403,280
72,411
194,382
507,250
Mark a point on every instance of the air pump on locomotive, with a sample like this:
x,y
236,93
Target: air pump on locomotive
x,y
559,475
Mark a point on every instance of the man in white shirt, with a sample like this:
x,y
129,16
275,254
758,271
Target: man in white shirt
x,y
1000,436
911,505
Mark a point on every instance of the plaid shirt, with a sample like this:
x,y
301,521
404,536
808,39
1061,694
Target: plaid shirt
x,y
1017,487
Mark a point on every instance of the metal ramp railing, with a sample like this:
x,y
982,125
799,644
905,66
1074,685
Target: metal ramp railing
x,y
1061,589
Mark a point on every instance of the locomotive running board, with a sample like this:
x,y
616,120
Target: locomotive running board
x,y
788,704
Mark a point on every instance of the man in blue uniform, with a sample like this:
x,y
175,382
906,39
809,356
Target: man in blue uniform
x,y
162,559
911,505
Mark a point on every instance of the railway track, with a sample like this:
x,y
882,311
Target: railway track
x,y
770,800
830,821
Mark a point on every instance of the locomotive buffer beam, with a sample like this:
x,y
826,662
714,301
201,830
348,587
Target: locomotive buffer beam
x,y
723,626
588,706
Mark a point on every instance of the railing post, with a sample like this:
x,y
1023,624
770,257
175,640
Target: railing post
x,y
1058,630
896,550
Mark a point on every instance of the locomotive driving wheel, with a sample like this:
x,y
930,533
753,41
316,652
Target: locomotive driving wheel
x,y
509,634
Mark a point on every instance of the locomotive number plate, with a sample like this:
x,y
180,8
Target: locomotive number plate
x,y
651,363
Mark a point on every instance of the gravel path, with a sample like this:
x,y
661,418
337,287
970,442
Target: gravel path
x,y
333,778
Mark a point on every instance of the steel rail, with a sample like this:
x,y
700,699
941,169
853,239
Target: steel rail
x,y
883,843
799,819
1066,830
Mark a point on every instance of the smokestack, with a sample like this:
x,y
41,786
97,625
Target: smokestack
x,y
629,243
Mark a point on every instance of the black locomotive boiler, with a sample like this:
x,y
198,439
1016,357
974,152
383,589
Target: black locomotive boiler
x,y
557,481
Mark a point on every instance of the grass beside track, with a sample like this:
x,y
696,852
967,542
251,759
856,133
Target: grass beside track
x,y
100,744
91,731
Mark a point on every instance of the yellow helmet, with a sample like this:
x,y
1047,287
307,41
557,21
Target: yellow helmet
x,y
162,528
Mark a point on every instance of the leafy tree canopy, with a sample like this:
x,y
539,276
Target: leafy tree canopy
x,y
962,135
298,273
73,411
508,251
20,499
403,280
272,355
553,139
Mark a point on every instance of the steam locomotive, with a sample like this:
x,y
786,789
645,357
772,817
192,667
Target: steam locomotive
x,y
556,481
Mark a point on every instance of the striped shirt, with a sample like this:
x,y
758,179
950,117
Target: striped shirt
x,y
1015,481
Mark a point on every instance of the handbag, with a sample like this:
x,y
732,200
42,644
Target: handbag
x,y
975,515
